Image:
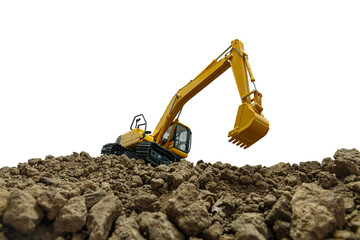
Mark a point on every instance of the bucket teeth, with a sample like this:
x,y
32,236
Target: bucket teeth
x,y
249,127
240,141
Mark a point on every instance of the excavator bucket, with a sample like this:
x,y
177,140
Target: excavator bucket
x,y
249,127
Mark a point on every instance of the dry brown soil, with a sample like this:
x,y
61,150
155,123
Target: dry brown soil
x,y
114,197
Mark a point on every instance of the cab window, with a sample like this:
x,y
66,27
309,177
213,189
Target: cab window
x,y
167,133
182,138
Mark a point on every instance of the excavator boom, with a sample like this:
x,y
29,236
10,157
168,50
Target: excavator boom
x,y
250,124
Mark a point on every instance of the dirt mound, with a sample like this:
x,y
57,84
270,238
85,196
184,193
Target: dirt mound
x,y
111,197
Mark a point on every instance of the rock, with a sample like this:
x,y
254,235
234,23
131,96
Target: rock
x,y
327,165
14,171
281,229
248,232
174,179
347,162
281,169
208,198
251,219
78,236
349,205
309,166
355,186
126,228
162,168
211,186
157,183
227,174
257,177
225,205
27,170
348,154
207,175
4,195
315,212
137,181
45,181
345,168
354,224
72,217
194,180
145,202
213,232
188,213
269,200
350,178
105,186
92,198
220,165
280,210
157,226
343,234
326,180
301,176
245,180
34,161
101,217
51,202
357,201
83,155
194,238
192,219
21,212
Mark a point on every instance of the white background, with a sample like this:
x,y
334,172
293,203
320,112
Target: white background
x,y
74,73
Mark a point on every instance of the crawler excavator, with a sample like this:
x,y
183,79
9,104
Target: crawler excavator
x,y
171,140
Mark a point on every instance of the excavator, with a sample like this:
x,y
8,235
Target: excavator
x,y
171,140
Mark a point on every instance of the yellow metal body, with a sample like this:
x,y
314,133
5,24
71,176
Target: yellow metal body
x,y
250,124
132,138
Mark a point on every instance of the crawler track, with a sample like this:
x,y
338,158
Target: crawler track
x,y
117,149
149,151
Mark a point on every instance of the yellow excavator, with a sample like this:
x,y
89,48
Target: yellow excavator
x,y
171,140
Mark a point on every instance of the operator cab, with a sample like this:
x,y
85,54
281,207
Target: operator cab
x,y
181,138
